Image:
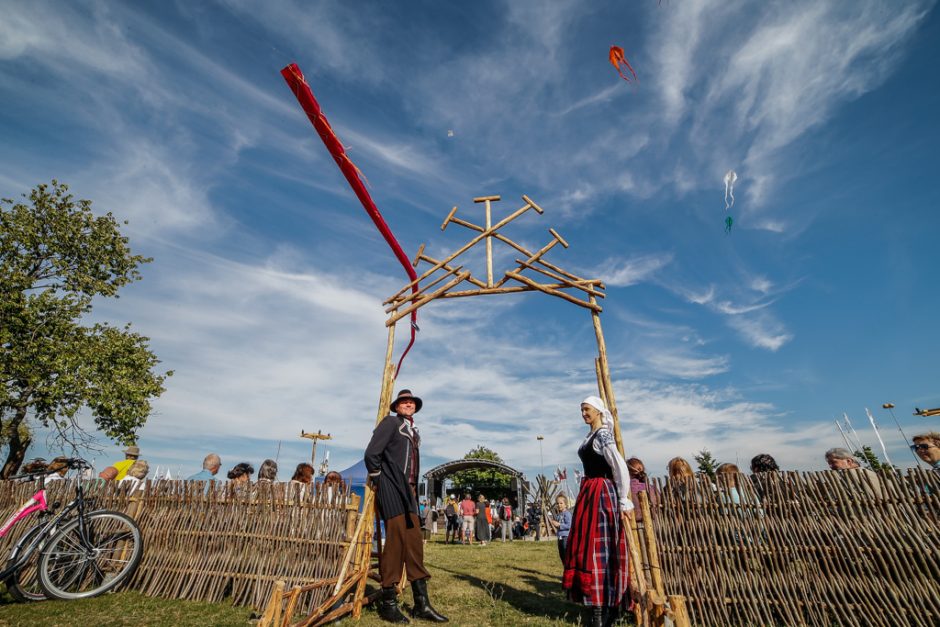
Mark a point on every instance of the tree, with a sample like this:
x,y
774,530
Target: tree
x,y
483,478
56,256
870,459
707,465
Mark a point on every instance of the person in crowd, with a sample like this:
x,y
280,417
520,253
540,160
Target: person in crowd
x,y
334,484
505,519
392,459
136,474
430,515
533,518
59,466
763,469
927,447
34,466
302,477
681,477
561,523
639,482
450,512
518,529
481,527
842,460
467,513
764,463
131,453
241,473
267,473
727,478
108,474
303,474
596,568
210,468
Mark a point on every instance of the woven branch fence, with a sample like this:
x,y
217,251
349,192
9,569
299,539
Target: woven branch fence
x,y
823,548
219,544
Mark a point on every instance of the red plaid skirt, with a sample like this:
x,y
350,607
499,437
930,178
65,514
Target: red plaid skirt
x,y
596,568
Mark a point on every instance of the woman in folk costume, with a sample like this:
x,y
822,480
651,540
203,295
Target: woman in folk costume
x,y
596,568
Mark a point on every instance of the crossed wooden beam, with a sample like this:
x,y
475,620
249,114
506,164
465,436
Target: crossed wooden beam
x,y
450,276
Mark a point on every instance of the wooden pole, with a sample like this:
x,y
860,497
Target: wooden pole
x,y
512,289
488,232
601,390
486,200
656,572
398,315
680,616
605,371
592,305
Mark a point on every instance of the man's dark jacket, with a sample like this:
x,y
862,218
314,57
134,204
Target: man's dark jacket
x,y
392,450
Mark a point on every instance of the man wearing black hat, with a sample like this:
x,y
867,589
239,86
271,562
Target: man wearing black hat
x,y
392,461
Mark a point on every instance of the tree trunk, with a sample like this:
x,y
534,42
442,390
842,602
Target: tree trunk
x,y
17,445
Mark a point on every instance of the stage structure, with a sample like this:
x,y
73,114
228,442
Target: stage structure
x,y
448,278
435,477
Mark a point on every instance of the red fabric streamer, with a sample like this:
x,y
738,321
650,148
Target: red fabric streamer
x,y
298,85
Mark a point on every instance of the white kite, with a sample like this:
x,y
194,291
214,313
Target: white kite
x,y
730,177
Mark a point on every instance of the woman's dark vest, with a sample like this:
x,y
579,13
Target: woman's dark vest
x,y
594,463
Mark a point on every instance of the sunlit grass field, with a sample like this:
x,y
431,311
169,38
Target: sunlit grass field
x,y
498,584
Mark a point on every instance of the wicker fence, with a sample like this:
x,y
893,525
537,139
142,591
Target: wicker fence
x,y
825,548
212,545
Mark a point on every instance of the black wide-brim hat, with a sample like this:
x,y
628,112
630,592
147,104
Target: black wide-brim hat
x,y
406,395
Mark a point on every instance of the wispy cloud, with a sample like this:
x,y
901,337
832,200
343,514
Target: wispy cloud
x,y
619,272
761,331
686,366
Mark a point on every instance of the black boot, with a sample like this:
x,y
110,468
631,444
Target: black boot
x,y
423,607
597,617
388,606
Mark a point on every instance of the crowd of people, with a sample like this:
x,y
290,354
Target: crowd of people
x,y
591,537
134,470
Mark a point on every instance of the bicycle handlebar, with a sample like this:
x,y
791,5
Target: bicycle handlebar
x,y
71,463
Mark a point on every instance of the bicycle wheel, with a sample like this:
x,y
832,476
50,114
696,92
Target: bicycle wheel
x,y
24,584
72,567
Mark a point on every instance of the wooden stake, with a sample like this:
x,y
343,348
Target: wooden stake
x,y
490,231
605,373
679,612
512,289
571,299
489,239
395,317
656,572
565,282
413,295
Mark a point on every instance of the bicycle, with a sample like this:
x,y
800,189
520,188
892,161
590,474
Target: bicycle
x,y
72,554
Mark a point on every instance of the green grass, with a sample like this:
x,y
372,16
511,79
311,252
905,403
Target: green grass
x,y
499,584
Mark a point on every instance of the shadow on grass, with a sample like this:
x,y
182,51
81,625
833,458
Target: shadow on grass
x,y
545,599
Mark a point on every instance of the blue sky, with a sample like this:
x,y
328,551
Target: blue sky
x,y
265,291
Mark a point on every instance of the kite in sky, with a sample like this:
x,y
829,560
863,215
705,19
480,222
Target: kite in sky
x,y
730,177
619,62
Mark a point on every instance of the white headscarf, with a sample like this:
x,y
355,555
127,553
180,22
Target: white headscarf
x,y
606,418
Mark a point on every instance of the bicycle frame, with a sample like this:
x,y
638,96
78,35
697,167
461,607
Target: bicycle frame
x,y
38,503
35,504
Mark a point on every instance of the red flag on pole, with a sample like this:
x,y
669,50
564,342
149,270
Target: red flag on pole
x,y
297,83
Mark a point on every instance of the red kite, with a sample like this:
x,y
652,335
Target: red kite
x,y
617,60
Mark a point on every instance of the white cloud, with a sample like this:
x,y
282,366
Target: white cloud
x,y
761,331
618,272
687,366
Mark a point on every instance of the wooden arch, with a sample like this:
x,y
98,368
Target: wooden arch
x,y
448,278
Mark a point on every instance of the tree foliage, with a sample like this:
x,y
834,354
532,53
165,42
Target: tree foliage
x,y
870,460
483,478
56,256
707,465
